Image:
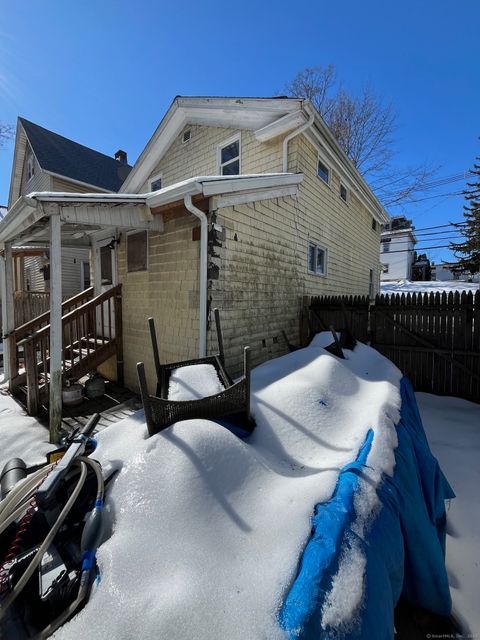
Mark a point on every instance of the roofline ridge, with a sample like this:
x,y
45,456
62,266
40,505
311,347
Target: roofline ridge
x,y
84,146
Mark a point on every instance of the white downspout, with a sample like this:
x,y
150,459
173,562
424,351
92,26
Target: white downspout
x,y
202,342
287,139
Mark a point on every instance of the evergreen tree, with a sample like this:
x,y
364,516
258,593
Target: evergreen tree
x,y
468,250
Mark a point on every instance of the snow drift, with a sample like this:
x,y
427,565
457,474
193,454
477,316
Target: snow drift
x,y
206,530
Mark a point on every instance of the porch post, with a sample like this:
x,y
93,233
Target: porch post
x,y
55,398
8,309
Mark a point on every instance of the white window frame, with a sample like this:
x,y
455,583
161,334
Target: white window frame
x,y
30,166
226,143
317,245
371,283
147,267
327,167
346,200
158,176
82,276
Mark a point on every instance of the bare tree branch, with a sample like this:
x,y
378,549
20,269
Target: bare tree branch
x,y
364,126
7,131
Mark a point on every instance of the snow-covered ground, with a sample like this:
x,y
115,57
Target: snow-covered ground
x,y
406,286
206,529
453,430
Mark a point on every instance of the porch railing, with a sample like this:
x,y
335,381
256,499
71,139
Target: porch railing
x,y
92,333
26,329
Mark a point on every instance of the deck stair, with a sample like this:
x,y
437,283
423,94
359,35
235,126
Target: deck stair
x,y
91,334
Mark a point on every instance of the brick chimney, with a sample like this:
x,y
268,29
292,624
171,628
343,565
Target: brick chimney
x,y
121,156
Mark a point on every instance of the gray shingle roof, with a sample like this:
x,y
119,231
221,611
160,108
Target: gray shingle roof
x,y
72,160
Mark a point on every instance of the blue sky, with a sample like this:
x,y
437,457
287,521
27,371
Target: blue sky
x,y
103,73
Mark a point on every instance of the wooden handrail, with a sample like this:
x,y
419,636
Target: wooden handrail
x,y
23,330
91,334
76,313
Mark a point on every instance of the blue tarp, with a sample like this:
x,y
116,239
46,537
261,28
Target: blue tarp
x,y
404,547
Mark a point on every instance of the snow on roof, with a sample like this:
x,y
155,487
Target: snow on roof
x,y
406,286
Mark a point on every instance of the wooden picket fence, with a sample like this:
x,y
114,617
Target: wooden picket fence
x,y
433,338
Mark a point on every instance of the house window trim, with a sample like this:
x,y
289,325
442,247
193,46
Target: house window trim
x,y
82,275
346,200
157,176
327,167
317,245
30,163
147,266
225,143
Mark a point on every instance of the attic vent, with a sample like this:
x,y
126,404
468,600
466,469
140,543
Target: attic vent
x,y
186,135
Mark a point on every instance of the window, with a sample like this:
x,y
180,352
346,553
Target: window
x,y
370,284
106,268
85,274
317,259
229,157
374,224
156,183
186,135
343,192
385,246
30,167
385,268
323,172
137,251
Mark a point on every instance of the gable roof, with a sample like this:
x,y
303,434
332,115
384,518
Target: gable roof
x,y
267,118
70,159
236,112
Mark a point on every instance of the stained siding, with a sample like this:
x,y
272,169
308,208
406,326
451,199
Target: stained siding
x,y
168,291
261,266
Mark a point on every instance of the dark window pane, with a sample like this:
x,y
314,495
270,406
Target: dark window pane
x,y
374,224
230,152
320,261
231,169
86,274
137,251
343,192
311,257
156,184
106,265
322,171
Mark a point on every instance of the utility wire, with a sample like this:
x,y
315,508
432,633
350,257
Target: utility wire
x,y
440,226
417,249
440,195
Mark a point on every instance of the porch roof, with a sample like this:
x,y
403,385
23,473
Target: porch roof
x,y
86,212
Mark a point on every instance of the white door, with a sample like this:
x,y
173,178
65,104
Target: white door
x,y
105,277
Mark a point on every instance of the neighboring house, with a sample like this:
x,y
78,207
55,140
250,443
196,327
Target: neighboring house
x,y
46,161
245,204
447,271
397,252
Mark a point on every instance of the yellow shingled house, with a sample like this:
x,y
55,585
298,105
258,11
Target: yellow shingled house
x,y
245,204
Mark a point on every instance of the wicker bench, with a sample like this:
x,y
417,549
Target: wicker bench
x,y
231,406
